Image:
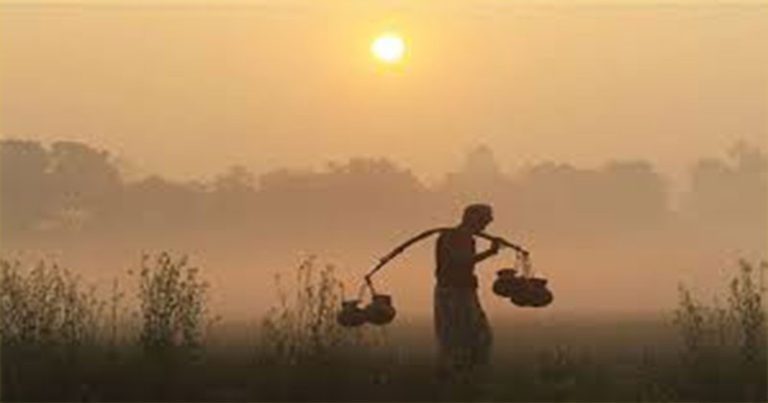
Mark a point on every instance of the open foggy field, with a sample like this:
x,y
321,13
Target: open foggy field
x,y
170,347
195,195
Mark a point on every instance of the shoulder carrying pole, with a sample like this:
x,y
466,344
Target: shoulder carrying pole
x,y
399,249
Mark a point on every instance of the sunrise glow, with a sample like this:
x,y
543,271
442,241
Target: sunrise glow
x,y
388,48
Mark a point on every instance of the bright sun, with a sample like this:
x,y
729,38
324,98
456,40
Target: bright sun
x,y
389,48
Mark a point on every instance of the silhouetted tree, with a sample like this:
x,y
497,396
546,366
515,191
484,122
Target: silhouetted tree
x,y
161,207
24,187
632,196
479,179
85,183
731,195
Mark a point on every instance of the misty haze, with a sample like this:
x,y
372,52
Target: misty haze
x,y
603,234
285,148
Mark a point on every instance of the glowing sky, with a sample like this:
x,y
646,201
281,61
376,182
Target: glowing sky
x,y
188,88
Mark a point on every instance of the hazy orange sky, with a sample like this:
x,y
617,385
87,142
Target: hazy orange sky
x,y
188,88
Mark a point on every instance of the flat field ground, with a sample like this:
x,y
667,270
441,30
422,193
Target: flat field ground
x,y
569,358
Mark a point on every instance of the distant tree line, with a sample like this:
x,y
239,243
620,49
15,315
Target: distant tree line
x,y
71,190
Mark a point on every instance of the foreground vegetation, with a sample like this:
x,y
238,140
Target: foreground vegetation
x,y
61,342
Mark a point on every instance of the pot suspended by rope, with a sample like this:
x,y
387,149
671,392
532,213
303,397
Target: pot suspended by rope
x,y
534,293
539,296
380,311
507,283
351,315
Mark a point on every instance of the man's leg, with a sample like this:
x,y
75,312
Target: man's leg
x,y
450,315
441,314
480,346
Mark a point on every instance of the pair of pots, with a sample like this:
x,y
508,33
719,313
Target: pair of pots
x,y
522,291
378,312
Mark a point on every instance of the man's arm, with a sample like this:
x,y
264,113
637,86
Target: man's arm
x,y
493,250
504,242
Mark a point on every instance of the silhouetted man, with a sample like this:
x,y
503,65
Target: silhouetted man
x,y
462,329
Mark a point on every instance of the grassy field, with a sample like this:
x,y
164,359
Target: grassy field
x,y
61,343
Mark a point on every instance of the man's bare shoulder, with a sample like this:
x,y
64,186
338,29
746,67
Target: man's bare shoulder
x,y
453,236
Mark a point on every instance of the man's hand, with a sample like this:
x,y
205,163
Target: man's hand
x,y
495,246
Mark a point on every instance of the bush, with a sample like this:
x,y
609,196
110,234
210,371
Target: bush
x,y
746,303
724,348
173,302
46,306
49,321
302,327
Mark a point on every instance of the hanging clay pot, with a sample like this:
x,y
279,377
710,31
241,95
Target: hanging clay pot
x,y
507,283
380,311
351,315
533,293
538,293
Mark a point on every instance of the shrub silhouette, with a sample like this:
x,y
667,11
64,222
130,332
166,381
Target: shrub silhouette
x,y
46,306
173,302
303,325
746,303
49,320
724,348
53,323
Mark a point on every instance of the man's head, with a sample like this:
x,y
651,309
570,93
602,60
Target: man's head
x,y
477,217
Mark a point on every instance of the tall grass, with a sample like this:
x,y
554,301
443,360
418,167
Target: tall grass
x,y
56,330
724,347
747,309
46,305
49,322
301,343
302,326
173,302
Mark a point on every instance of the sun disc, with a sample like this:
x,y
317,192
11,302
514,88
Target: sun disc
x,y
389,48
